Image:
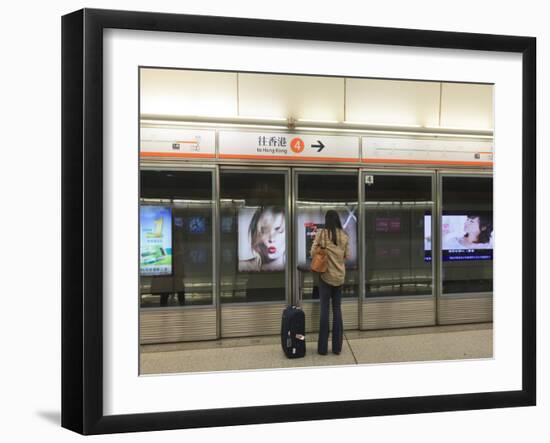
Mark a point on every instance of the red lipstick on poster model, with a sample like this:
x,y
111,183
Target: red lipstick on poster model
x,y
272,249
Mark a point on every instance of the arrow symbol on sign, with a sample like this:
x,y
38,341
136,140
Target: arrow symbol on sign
x,y
320,145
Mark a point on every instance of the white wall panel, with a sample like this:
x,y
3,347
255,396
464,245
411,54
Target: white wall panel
x,y
184,93
467,106
180,93
392,102
301,97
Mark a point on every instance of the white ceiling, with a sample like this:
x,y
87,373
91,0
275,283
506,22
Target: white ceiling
x,y
185,93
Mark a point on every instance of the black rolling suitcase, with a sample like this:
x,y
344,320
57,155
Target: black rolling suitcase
x,y
293,330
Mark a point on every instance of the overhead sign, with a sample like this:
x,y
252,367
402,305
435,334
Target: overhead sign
x,y
287,147
450,152
176,142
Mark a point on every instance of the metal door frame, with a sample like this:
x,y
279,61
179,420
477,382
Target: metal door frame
x,y
253,169
441,173
316,170
172,165
407,172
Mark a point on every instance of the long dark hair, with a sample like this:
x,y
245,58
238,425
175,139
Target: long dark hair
x,y
332,222
485,227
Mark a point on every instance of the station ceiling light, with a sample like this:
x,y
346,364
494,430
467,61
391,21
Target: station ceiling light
x,y
290,124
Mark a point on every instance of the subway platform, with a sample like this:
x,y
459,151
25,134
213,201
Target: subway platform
x,y
360,347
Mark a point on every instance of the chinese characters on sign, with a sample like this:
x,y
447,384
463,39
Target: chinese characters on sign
x,y
278,146
272,144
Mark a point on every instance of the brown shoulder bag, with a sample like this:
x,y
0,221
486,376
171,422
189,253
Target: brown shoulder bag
x,y
319,261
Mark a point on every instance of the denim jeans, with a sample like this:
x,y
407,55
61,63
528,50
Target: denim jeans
x,y
326,293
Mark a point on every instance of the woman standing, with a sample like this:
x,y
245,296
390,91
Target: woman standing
x,y
336,243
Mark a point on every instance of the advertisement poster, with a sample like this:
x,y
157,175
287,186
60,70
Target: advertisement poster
x,y
262,239
155,240
463,237
310,219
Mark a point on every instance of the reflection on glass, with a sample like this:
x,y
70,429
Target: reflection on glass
x,y
317,193
253,236
176,238
467,234
398,235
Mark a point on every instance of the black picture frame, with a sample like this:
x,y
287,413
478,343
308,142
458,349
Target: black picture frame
x,y
82,190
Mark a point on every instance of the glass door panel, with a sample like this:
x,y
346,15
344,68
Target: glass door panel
x,y
316,193
176,238
467,234
253,237
398,235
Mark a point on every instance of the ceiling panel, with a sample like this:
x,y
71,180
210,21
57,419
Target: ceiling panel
x,y
467,106
300,97
392,102
177,92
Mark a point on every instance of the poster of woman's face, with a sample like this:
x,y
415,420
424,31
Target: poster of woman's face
x,y
262,239
472,231
463,237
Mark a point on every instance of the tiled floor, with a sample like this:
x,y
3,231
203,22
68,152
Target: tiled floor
x,y
360,347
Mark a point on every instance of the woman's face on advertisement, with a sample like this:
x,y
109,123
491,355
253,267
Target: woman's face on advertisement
x,y
471,227
271,231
